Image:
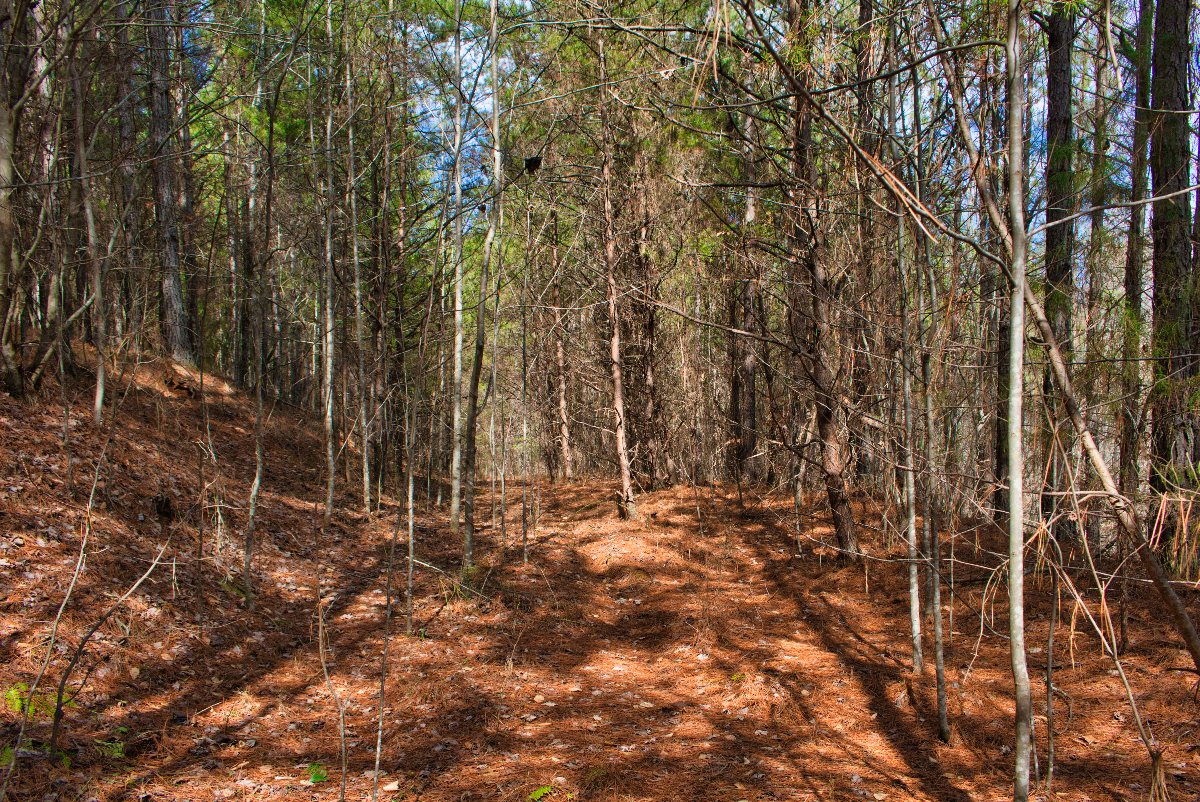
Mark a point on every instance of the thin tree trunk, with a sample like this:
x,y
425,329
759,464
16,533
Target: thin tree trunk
x,y
525,455
495,222
124,311
1096,272
327,305
627,503
11,376
1022,747
560,360
95,260
933,544
359,336
15,56
237,271
819,346
456,390
910,485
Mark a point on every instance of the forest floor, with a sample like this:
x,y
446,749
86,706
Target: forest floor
x,y
694,654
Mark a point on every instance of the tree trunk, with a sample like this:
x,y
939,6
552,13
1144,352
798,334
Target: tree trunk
x,y
560,360
173,320
456,424
1015,100
11,374
819,346
1096,273
627,503
910,485
1060,246
1175,439
364,418
490,245
327,318
94,258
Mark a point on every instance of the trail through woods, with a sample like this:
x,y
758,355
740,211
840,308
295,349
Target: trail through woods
x,y
688,655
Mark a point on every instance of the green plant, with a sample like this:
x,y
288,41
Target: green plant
x,y
541,793
113,750
14,697
596,778
19,700
317,773
738,677
232,587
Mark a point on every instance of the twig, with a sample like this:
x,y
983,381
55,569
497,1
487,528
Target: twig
x,y
451,577
337,699
80,560
383,656
62,683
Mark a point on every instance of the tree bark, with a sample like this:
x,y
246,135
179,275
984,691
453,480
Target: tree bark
x,y
627,503
1060,246
173,310
560,360
327,317
14,74
456,415
819,337
1175,437
364,417
1015,99
94,259
910,485
490,247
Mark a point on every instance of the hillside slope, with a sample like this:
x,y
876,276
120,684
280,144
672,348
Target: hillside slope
x,y
691,655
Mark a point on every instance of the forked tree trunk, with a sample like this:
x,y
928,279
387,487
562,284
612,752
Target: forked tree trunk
x,y
490,247
819,345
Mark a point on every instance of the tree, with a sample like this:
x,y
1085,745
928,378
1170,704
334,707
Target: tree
x,y
173,317
1015,96
626,502
15,62
1060,245
1175,438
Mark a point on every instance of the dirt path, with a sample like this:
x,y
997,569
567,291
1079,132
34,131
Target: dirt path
x,y
691,655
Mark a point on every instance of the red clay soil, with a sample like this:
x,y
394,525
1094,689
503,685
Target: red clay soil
x,y
691,655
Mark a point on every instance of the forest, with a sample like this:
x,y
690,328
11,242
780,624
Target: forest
x,y
621,400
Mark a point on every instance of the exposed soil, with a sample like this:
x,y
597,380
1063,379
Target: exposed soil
x,y
691,655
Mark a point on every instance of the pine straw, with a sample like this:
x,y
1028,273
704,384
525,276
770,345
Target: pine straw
x,y
674,657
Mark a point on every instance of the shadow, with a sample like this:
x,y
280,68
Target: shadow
x,y
688,655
